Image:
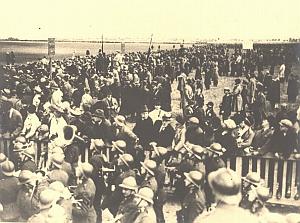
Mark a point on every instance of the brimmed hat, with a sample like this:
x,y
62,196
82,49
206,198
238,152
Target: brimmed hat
x,y
167,116
226,185
286,123
8,168
216,148
29,152
57,160
99,144
129,183
226,89
292,218
193,120
160,151
197,151
87,169
120,145
252,178
127,159
210,104
195,177
76,111
146,194
229,124
2,158
25,177
47,197
120,120
59,187
99,113
150,166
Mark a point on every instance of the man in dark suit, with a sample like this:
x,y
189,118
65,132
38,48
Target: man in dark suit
x,y
144,127
11,121
163,133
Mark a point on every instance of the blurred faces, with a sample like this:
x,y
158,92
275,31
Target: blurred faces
x,y
145,115
127,192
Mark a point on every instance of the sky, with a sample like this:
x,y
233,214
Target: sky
x,y
138,19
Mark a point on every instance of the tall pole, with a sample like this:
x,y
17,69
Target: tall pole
x,y
149,49
102,45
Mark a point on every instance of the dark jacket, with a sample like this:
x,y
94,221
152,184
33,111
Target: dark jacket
x,y
144,130
165,137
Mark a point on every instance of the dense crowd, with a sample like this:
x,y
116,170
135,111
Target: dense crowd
x,y
111,135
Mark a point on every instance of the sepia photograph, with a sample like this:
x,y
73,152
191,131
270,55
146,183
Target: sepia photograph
x,y
150,111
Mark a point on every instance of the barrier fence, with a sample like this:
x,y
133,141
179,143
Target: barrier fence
x,y
283,175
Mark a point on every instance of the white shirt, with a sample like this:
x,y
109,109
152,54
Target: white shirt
x,y
56,126
157,114
31,124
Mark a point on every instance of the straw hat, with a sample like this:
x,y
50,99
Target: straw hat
x,y
127,159
57,160
129,183
47,197
29,152
120,145
230,124
25,177
217,148
226,185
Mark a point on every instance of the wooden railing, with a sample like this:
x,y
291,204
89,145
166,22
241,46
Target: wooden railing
x,y
266,167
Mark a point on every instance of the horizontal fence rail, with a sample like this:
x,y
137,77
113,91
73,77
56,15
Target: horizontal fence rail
x,y
282,175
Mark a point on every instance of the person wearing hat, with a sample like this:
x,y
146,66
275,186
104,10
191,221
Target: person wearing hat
x,y
27,182
293,88
84,194
11,120
144,200
226,186
249,185
159,155
9,189
283,143
31,123
147,174
226,138
127,210
259,105
163,132
55,172
28,159
245,133
258,206
63,198
237,101
213,160
57,123
157,113
124,169
194,133
46,201
123,132
144,127
110,105
193,203
209,112
226,104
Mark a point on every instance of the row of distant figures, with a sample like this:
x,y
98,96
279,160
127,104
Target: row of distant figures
x,y
278,175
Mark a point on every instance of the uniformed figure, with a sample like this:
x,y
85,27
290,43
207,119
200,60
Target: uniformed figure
x,y
250,183
8,192
83,209
55,170
144,200
148,179
159,156
28,160
193,203
63,198
27,182
226,104
45,203
226,186
127,211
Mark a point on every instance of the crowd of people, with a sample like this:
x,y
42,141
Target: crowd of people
x,y
113,141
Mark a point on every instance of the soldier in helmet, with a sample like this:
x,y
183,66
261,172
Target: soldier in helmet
x,y
159,155
124,169
55,172
144,200
27,182
193,203
83,209
127,210
8,192
45,203
28,158
148,170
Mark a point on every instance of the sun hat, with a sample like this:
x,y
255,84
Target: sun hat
x,y
195,177
8,168
129,183
146,194
226,185
150,166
